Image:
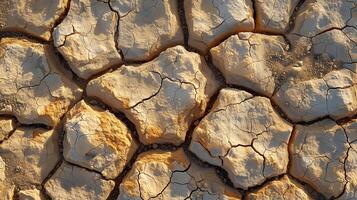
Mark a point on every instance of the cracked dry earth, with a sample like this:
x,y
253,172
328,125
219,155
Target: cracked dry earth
x,y
178,99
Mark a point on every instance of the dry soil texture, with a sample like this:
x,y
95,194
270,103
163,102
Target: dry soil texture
x,y
178,99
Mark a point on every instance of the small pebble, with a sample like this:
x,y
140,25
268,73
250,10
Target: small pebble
x,y
17,169
298,64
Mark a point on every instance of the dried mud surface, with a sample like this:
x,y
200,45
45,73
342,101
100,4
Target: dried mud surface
x,y
181,99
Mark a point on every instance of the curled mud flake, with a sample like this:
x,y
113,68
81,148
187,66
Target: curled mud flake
x,y
97,140
162,97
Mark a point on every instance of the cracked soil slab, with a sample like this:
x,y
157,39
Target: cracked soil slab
x,y
315,17
33,194
274,16
97,140
178,99
71,182
210,21
146,27
86,37
339,44
318,156
281,189
333,95
35,17
33,84
245,136
7,125
161,174
29,156
243,60
162,97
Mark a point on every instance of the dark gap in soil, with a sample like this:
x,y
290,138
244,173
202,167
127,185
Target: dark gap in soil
x,y
80,82
218,74
19,34
294,15
254,15
63,15
183,22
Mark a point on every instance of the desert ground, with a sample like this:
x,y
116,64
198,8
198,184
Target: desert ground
x,y
178,99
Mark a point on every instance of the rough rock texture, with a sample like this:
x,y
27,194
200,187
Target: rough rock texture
x,y
2,170
171,175
243,60
162,97
281,189
184,99
315,17
6,127
318,155
29,154
333,95
245,136
341,45
71,182
146,27
88,22
210,21
6,188
31,195
33,87
351,162
97,140
36,17
274,16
